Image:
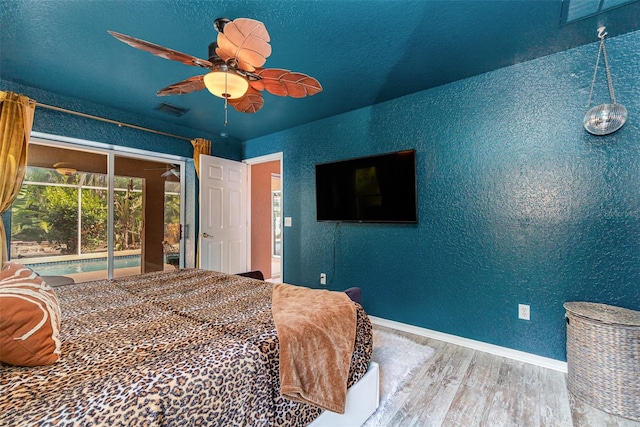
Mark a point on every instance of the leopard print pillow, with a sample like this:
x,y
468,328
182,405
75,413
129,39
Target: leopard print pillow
x,y
29,318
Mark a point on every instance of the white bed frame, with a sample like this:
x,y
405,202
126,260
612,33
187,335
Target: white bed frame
x,y
362,401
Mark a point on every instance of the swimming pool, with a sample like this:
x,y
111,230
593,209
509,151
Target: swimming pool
x,y
61,268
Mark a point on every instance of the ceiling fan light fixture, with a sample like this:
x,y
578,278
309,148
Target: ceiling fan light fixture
x,y
235,63
225,84
64,168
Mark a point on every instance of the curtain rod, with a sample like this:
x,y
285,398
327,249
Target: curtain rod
x,y
102,119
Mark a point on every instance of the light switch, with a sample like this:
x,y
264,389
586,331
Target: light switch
x,y
287,221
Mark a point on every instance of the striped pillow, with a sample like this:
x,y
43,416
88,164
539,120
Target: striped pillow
x,y
29,318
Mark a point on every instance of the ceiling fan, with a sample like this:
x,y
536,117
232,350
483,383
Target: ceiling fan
x,y
172,172
235,63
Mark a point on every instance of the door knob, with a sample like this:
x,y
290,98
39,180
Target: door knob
x,y
205,235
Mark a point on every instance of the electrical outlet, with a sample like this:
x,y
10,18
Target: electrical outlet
x,y
524,312
323,279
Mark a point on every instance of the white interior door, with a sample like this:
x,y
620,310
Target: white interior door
x,y
223,215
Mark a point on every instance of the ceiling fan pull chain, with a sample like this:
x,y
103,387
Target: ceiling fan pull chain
x,y
226,101
226,112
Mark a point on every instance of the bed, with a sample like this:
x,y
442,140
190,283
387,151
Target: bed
x,y
187,347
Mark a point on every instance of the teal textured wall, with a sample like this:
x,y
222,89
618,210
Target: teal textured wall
x,y
517,203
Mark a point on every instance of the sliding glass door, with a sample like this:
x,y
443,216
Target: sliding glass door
x,y
96,214
147,213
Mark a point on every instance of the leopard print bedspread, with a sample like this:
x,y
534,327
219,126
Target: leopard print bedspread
x,y
184,348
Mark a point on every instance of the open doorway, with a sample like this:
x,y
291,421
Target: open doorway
x,y
266,216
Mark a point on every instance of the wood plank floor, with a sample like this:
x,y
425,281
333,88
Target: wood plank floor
x,y
462,387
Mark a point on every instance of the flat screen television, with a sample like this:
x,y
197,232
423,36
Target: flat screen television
x,y
379,188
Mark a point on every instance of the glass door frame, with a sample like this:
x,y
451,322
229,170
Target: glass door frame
x,y
111,151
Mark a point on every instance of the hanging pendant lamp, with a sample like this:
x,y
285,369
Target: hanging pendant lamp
x,y
605,118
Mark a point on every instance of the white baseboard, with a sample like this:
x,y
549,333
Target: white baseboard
x,y
520,356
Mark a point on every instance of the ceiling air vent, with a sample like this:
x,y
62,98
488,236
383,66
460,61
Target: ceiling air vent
x,y
171,109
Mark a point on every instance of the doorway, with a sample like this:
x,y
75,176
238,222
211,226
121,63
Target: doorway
x,y
266,215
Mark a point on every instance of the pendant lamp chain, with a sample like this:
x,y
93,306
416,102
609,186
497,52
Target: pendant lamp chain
x,y
602,51
607,70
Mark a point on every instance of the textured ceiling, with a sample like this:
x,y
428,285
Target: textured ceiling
x,y
362,51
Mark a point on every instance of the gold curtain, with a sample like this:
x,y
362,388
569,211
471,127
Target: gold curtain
x,y
200,146
16,119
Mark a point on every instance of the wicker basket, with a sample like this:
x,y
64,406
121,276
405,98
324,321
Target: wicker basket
x,y
603,357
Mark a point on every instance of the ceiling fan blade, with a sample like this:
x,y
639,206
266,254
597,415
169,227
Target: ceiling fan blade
x,y
165,168
286,83
192,84
246,40
171,172
251,102
161,51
